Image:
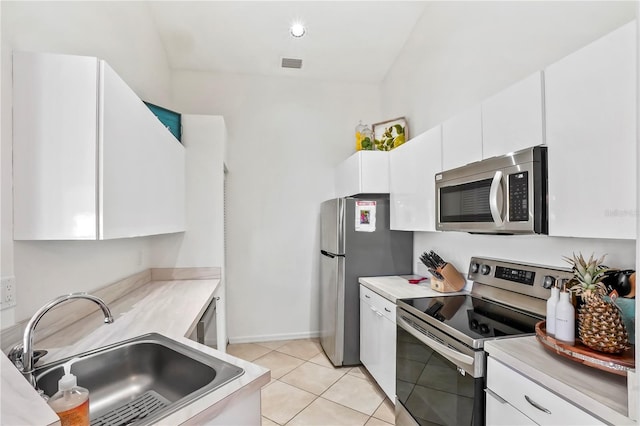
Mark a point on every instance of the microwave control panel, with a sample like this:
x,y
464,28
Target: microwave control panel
x,y
519,197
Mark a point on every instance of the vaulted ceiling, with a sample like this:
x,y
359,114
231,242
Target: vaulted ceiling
x,y
345,40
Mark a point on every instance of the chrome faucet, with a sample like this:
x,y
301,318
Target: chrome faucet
x,y
25,361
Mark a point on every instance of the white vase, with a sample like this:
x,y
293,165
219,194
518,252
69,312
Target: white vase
x,y
565,319
552,304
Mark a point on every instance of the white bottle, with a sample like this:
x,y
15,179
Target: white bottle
x,y
71,402
552,303
565,319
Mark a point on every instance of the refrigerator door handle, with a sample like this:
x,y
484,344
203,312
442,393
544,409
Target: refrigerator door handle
x,y
326,253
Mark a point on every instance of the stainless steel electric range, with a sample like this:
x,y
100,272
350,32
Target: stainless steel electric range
x,y
440,361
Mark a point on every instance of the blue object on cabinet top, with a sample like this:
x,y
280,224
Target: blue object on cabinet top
x,y
171,120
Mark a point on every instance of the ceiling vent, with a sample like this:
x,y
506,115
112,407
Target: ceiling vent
x,y
291,63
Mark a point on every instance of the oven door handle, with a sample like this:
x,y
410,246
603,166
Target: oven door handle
x,y
496,186
443,350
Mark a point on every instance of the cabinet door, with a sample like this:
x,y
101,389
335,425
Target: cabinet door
x,y
365,172
378,339
412,167
90,160
591,119
142,166
54,146
534,401
368,336
499,412
387,355
513,118
462,139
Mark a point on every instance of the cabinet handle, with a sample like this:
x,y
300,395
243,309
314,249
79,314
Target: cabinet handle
x,y
387,309
535,404
367,296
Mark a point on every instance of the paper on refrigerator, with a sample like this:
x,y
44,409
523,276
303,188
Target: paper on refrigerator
x,y
365,216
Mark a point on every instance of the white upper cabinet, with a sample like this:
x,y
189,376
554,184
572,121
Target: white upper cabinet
x,y
513,118
90,161
365,172
412,167
462,138
591,119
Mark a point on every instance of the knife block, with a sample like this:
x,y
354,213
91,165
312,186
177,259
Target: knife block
x,y
453,280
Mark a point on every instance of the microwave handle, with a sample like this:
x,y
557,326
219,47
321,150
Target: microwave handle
x,y
496,185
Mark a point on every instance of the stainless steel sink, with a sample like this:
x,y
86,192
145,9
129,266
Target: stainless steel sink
x,y
141,380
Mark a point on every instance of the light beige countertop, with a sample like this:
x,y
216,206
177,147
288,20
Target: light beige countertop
x,y
393,288
171,308
602,394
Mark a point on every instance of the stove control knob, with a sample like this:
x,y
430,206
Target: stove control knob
x,y
484,328
474,268
474,324
485,269
548,281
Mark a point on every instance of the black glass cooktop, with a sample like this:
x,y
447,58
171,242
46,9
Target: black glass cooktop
x,y
472,316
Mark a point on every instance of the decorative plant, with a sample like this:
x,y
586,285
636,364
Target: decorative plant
x,y
392,137
600,323
587,275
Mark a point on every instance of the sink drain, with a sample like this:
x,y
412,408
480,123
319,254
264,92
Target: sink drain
x,y
141,407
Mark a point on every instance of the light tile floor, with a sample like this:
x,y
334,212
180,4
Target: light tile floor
x,y
306,389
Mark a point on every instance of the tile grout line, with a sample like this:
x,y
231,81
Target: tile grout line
x,y
365,379
278,380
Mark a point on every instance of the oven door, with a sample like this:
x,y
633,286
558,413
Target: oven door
x,y
439,381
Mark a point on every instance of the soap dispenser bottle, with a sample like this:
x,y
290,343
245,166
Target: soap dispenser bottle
x,y
565,318
552,304
71,402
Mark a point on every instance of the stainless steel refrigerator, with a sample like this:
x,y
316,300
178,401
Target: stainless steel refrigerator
x,y
350,248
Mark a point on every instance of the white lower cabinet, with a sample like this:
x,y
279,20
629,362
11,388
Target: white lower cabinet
x,y
500,413
378,339
513,399
241,411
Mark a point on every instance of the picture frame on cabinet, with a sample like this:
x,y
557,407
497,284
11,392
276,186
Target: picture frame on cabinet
x,y
390,134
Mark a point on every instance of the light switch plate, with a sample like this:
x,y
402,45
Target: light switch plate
x,y
7,292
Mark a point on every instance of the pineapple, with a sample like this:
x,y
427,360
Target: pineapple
x,y
600,325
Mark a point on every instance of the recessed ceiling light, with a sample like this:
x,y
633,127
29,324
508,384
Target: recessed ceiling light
x,y
297,29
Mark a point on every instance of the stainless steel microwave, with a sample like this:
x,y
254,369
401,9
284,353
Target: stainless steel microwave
x,y
499,195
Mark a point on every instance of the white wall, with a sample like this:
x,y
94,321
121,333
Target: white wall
x,y
202,245
285,137
123,35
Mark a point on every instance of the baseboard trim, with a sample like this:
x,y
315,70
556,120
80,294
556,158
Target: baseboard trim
x,y
274,337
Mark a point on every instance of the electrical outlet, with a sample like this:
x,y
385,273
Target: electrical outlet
x,y
7,292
